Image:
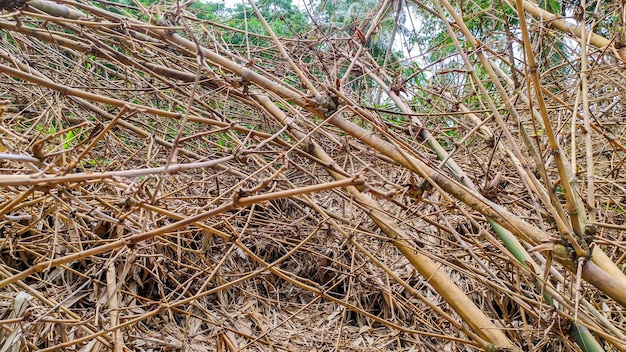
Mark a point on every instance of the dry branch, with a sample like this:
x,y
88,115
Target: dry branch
x,y
163,185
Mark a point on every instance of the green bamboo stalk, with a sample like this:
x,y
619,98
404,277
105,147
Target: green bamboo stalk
x,y
591,272
598,257
585,339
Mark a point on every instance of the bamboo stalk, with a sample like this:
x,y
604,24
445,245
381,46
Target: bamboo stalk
x,y
576,210
568,26
451,293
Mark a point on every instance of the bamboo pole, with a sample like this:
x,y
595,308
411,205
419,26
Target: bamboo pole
x,y
433,272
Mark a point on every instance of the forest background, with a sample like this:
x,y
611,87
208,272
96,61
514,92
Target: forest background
x,y
378,175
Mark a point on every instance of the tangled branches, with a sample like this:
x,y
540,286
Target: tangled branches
x,y
167,185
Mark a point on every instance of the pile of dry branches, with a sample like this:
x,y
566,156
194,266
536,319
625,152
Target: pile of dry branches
x,y
162,189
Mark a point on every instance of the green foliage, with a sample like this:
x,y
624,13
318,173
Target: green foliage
x,y
344,13
209,11
71,137
553,6
91,163
285,19
479,18
224,141
397,120
47,131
